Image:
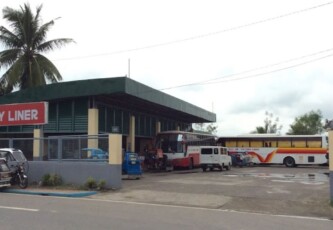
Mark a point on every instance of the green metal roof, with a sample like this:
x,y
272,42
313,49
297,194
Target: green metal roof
x,y
119,90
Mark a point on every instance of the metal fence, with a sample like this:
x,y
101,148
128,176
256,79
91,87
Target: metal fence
x,y
83,148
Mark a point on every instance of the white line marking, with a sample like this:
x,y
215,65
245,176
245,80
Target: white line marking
x,y
209,209
21,209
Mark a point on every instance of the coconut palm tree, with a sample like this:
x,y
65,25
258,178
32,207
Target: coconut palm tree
x,y
26,66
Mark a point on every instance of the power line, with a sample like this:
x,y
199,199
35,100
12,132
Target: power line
x,y
202,35
231,77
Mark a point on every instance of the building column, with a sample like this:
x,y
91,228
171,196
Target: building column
x,y
330,149
115,150
158,126
92,128
37,144
130,145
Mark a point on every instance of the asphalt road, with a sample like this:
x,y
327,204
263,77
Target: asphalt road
x,y
272,197
52,213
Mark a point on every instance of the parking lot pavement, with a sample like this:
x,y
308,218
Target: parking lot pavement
x,y
301,191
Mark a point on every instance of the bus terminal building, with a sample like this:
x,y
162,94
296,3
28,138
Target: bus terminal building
x,y
134,112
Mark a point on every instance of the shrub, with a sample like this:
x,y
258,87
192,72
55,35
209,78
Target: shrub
x,y
90,183
52,179
45,180
101,185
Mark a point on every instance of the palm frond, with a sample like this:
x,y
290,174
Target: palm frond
x,y
56,43
8,57
36,71
13,75
49,70
14,17
9,39
40,35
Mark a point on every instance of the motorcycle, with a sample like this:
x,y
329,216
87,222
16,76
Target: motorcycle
x,y
18,166
19,177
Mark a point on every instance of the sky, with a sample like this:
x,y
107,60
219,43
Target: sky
x,y
236,58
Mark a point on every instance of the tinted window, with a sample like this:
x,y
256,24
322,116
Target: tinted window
x,y
206,151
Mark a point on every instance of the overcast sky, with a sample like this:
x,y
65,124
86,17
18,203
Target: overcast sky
x,y
245,57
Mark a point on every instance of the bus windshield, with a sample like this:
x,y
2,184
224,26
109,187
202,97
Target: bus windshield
x,y
170,142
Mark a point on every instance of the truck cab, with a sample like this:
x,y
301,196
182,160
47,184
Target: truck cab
x,y
214,157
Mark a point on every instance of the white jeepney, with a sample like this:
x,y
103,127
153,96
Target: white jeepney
x,y
214,157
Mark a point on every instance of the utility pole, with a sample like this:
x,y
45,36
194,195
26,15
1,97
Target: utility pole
x,y
129,68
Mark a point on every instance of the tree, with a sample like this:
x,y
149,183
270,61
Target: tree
x,y
271,125
210,128
309,123
27,67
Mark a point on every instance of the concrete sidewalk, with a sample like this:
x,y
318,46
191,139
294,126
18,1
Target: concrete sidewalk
x,y
49,192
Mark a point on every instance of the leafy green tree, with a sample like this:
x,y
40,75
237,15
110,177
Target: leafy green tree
x,y
27,67
210,128
309,123
271,124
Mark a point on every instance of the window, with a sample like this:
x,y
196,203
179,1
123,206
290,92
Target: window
x,y
224,151
206,151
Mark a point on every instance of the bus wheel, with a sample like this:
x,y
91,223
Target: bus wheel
x,y
289,162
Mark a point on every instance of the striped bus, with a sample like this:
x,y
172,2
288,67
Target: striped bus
x,y
290,150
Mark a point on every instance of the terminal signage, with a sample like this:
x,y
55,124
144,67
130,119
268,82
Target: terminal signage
x,y
35,113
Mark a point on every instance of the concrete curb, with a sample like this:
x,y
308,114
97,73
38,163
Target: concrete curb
x,y
48,193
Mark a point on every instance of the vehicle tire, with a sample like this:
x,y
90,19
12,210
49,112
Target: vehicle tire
x,y
190,164
204,169
289,162
23,183
228,167
222,167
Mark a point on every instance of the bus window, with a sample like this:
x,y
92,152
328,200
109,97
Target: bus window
x,y
231,144
256,144
284,143
273,143
243,144
216,151
299,143
314,144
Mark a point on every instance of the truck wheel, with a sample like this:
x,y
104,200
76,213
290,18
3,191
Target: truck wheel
x,y
204,169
